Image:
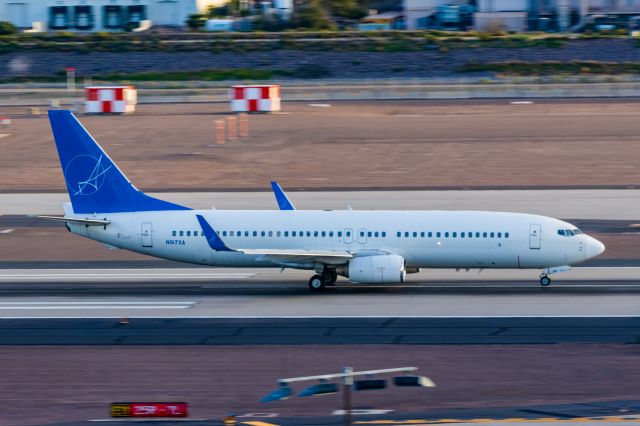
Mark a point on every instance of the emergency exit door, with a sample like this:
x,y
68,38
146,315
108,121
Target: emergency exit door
x,y
147,234
534,236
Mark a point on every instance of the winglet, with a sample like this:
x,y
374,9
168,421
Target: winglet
x,y
281,197
214,240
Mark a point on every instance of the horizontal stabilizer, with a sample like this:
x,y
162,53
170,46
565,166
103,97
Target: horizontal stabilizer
x,y
87,222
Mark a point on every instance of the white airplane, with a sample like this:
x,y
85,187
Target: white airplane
x,y
369,247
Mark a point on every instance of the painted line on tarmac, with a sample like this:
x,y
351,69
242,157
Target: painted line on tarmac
x,y
418,422
270,317
146,419
22,306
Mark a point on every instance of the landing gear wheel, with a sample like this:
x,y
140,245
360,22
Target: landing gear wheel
x,y
545,281
329,277
316,283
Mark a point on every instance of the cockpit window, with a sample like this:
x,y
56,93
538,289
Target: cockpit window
x,y
569,232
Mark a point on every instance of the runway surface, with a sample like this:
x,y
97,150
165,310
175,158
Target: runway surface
x,y
228,293
598,204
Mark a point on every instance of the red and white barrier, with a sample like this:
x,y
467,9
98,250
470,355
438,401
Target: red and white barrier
x,y
110,99
258,98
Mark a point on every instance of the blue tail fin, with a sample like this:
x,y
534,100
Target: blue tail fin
x,y
95,183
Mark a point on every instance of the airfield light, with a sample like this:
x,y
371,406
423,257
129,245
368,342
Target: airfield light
x,y
320,389
369,384
418,381
283,392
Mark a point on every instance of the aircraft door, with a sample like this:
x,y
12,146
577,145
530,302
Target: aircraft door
x,y
535,236
362,236
147,234
348,236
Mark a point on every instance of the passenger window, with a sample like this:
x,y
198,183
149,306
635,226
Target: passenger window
x,y
181,233
255,233
462,235
339,234
491,235
369,234
484,235
348,233
384,234
499,234
438,234
406,235
231,233
308,233
315,233
454,234
188,233
470,234
430,234
271,233
173,233
446,235
239,233
246,233
375,234
398,234
506,235
286,233
262,233
224,233
323,233
477,235
293,234
278,234
331,233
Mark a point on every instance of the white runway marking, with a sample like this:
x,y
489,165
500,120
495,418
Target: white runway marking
x,y
7,231
521,103
2,135
320,105
93,305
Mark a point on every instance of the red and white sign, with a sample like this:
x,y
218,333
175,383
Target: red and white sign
x,y
258,98
149,409
110,99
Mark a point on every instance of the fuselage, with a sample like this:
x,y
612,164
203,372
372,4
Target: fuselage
x,y
425,239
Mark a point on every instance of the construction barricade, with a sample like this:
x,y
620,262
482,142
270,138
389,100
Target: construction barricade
x,y
255,98
110,100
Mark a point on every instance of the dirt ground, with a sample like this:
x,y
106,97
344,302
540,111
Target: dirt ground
x,y
48,384
384,144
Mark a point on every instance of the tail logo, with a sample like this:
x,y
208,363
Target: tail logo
x,y
85,174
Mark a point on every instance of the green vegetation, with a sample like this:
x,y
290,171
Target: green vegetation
x,y
553,68
312,15
7,28
196,21
202,75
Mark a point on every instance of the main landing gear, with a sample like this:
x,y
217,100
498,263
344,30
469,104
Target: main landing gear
x,y
328,277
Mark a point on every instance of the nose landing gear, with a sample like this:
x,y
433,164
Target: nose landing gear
x,y
545,281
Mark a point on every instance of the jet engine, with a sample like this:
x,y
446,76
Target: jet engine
x,y
377,269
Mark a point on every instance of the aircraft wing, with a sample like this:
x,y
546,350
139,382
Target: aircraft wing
x,y
276,255
298,256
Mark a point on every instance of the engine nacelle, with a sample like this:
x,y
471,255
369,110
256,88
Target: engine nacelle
x,y
378,269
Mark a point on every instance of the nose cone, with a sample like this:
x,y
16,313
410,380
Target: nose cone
x,y
594,247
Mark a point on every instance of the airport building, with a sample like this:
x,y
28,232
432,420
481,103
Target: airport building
x,y
99,15
521,15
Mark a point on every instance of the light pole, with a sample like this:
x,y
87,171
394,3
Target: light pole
x,y
284,391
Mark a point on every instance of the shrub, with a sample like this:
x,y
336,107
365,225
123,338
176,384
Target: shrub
x,y
196,21
7,28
